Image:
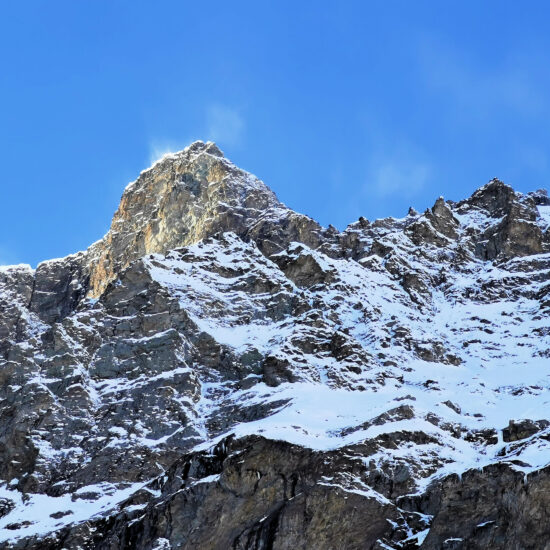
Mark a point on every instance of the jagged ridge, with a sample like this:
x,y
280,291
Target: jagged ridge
x,y
386,356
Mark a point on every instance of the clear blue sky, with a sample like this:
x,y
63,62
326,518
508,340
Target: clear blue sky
x,y
343,108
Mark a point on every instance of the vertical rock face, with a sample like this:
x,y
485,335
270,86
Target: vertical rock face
x,y
16,286
59,286
221,372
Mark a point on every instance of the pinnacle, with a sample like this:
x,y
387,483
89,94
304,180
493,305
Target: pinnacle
x,y
195,148
200,146
495,197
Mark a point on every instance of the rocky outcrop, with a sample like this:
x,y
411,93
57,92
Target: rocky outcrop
x,y
504,509
437,226
222,372
59,286
187,197
523,429
515,231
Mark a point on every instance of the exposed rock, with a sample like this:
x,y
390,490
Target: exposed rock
x,y
303,267
222,372
495,507
443,220
523,429
514,231
187,197
277,370
59,285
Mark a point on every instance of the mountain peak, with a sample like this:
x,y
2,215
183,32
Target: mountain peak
x,y
208,147
189,153
181,199
495,197
186,197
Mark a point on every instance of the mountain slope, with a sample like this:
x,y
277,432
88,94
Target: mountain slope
x,y
221,372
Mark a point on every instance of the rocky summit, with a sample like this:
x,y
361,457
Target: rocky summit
x,y
221,372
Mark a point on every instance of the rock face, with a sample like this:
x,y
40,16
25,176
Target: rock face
x,y
221,372
185,198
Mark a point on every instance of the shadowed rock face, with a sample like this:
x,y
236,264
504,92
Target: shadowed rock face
x,y
221,372
495,507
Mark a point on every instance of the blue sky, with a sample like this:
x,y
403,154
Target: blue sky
x,y
343,108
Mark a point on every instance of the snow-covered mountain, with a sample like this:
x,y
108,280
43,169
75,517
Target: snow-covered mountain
x,y
222,372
